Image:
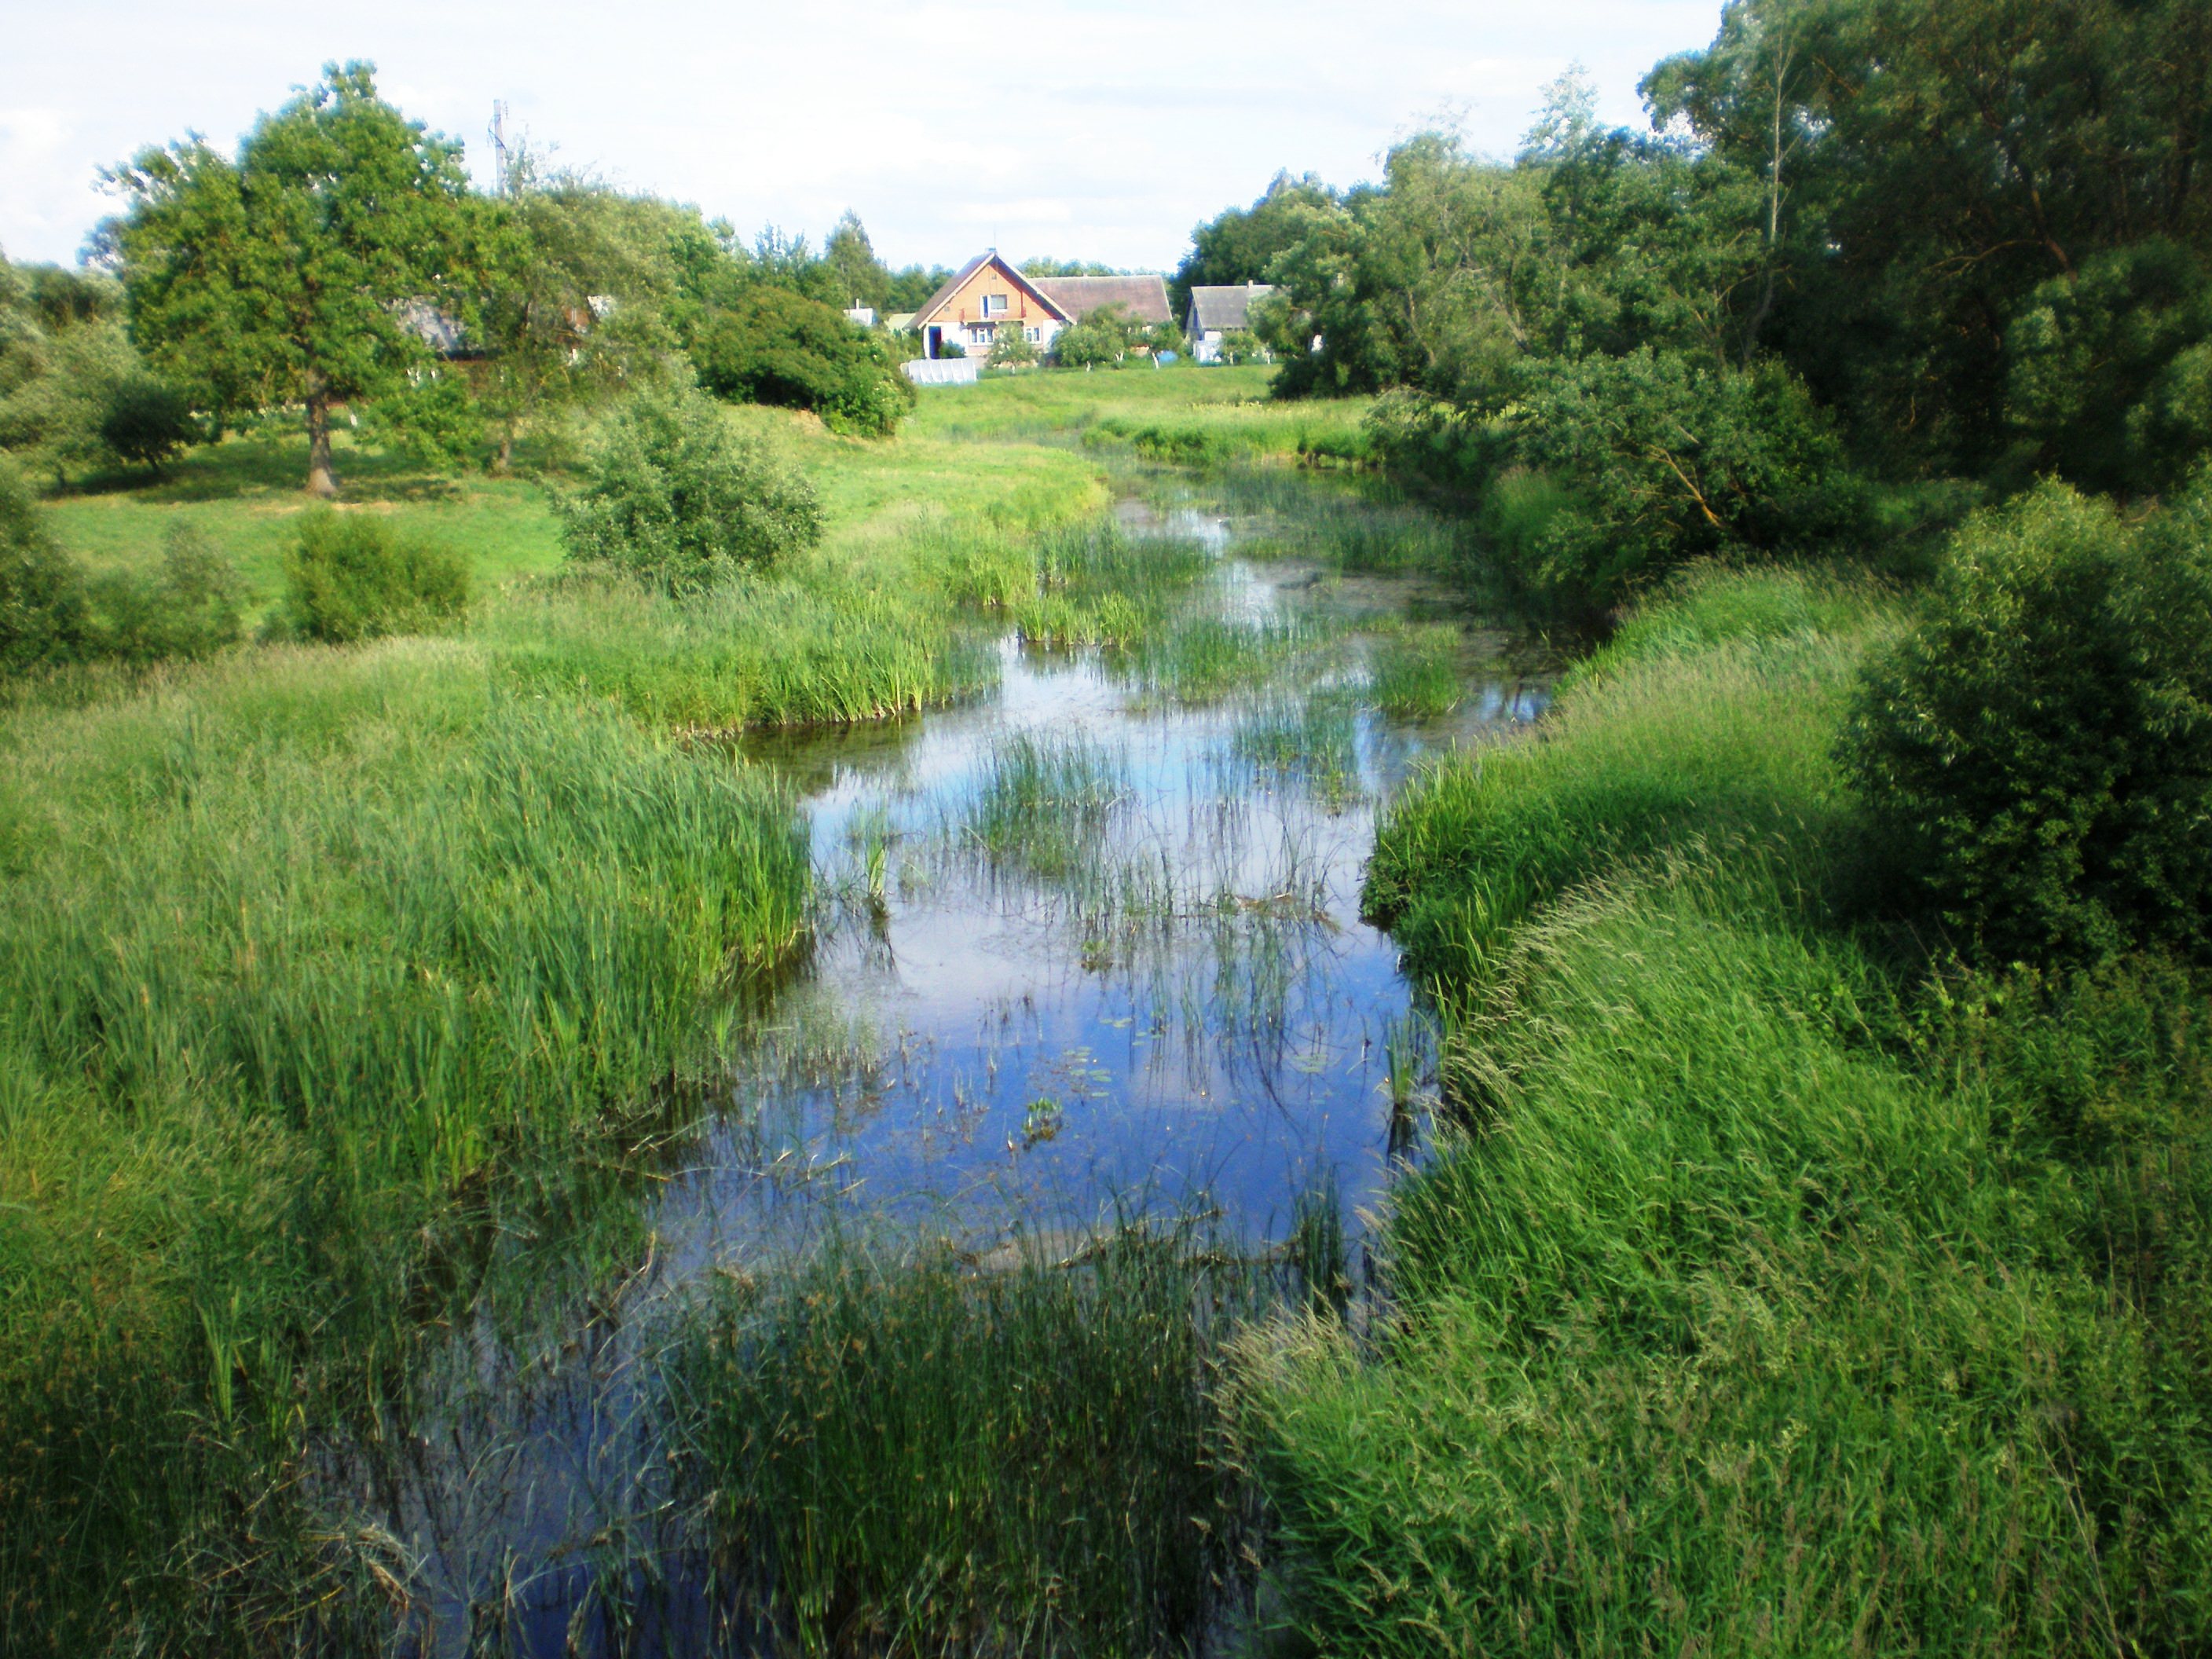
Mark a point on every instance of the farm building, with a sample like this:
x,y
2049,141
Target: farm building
x,y
1215,312
1144,299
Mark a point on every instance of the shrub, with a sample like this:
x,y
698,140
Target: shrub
x,y
1011,348
1672,460
351,577
1420,436
1100,339
2037,755
42,613
678,498
147,422
776,347
191,610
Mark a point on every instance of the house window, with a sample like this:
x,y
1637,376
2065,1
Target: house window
x,y
982,333
994,305
1034,334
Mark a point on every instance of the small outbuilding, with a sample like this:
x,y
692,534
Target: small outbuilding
x,y
1216,312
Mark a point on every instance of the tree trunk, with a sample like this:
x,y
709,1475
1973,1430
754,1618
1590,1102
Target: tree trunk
x,y
322,480
504,462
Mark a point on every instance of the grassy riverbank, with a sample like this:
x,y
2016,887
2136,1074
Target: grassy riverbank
x,y
1776,1289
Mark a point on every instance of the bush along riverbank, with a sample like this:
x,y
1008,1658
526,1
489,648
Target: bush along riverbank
x,y
1817,1252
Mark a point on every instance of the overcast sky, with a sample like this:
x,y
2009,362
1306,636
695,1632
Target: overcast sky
x,y
1081,131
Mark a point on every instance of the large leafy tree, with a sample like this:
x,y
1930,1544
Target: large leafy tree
x,y
1944,174
301,272
1239,245
851,257
576,285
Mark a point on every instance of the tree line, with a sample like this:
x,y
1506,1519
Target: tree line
x,y
340,263
1875,261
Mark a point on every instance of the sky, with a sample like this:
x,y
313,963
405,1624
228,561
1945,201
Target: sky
x,y
1100,132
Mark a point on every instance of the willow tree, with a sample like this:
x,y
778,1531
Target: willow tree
x,y
301,272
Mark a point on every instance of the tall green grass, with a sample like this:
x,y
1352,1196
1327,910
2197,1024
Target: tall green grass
x,y
1714,721
903,1453
1763,1297
296,954
1719,1325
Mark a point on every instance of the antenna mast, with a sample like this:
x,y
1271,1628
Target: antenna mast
x,y
497,133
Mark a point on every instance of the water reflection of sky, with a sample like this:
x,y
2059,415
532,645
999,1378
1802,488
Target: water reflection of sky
x,y
1007,1053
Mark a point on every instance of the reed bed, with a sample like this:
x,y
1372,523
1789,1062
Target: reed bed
x,y
297,953
1091,583
752,653
906,1452
1364,526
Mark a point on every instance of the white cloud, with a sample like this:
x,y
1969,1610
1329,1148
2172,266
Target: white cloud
x,y
1107,129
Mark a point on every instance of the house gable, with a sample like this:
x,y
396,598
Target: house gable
x,y
1216,310
960,302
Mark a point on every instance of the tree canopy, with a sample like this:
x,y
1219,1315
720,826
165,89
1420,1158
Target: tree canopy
x,y
1880,240
300,271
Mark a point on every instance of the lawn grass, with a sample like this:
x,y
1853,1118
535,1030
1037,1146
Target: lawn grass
x,y
1184,416
1766,1293
244,496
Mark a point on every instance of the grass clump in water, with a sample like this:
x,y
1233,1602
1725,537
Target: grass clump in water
x,y
1416,671
1044,803
1203,659
905,1453
1314,739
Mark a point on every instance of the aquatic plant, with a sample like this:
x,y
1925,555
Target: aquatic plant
x,y
900,1451
1416,671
